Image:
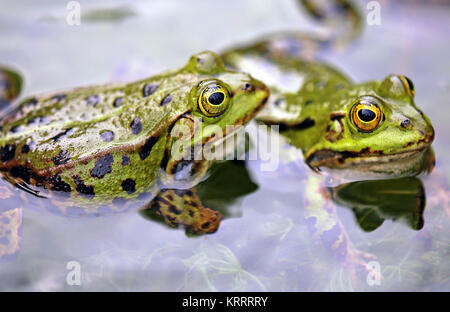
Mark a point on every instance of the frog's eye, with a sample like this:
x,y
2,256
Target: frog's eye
x,y
408,84
365,115
214,99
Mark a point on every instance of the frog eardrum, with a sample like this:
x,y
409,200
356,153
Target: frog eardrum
x,y
214,98
366,114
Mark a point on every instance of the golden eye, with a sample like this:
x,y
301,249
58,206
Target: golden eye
x,y
365,115
408,84
214,99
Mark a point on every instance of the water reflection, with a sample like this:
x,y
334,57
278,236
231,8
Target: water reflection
x,y
374,201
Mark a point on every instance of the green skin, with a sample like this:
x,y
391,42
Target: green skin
x,y
312,101
94,170
54,146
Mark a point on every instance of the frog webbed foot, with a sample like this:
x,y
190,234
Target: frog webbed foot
x,y
184,208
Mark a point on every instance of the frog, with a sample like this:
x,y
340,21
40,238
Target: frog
x,y
109,148
364,133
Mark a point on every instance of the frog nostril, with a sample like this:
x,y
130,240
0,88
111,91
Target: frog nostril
x,y
247,87
406,123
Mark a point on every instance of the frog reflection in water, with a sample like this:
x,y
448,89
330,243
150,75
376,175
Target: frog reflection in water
x,y
350,132
101,149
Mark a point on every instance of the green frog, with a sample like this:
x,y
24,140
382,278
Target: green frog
x,y
346,131
371,129
98,149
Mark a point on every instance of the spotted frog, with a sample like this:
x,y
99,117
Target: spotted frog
x,y
106,148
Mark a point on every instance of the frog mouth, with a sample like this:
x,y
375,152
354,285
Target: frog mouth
x,y
364,158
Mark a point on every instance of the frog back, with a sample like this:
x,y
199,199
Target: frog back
x,y
109,136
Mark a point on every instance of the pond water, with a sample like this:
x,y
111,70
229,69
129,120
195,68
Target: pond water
x,y
266,243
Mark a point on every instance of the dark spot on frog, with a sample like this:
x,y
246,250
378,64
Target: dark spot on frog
x,y
169,197
83,189
62,134
309,101
173,209
7,152
118,102
149,89
59,185
161,200
136,126
25,149
190,203
62,158
170,219
21,172
166,100
103,166
31,102
200,60
129,186
39,120
147,147
107,136
28,147
179,192
155,206
58,97
93,99
15,129
125,160
205,225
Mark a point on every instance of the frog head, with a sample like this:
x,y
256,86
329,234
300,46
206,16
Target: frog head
x,y
220,102
375,128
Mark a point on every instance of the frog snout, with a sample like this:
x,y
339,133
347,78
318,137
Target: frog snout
x,y
418,124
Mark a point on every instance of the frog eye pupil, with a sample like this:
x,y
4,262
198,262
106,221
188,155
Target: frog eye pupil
x,y
366,115
216,98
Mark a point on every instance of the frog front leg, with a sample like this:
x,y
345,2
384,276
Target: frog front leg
x,y
326,228
184,208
